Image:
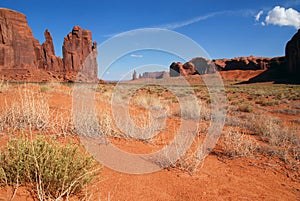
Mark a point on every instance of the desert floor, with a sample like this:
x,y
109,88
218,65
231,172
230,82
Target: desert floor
x,y
257,155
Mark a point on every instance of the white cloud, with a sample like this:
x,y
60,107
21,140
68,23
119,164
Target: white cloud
x,y
283,17
136,55
257,17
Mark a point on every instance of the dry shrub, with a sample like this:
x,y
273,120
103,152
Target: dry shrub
x,y
238,144
283,140
245,108
107,126
29,109
50,170
86,123
190,111
148,101
62,123
3,86
142,128
182,156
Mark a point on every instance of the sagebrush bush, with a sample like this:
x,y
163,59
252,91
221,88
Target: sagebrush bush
x,y
51,170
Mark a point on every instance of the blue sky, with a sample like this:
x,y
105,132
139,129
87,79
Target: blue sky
x,y
224,29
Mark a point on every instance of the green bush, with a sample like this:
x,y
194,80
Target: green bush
x,y
51,170
44,89
245,108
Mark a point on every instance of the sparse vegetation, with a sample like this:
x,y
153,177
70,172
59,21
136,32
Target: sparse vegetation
x,y
50,170
254,127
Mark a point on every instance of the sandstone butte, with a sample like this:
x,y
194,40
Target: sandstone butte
x,y
288,65
22,58
201,65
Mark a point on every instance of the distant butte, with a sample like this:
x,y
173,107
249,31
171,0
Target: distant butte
x,y
22,58
285,69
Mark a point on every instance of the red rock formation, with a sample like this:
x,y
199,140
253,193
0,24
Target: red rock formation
x,y
49,61
243,63
154,75
203,65
188,69
197,65
292,54
79,52
22,56
175,69
18,48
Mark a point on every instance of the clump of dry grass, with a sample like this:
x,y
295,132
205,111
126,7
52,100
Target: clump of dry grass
x,y
86,123
29,109
238,144
282,140
149,102
187,110
107,126
61,123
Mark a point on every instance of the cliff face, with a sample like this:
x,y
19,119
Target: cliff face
x,y
22,56
18,48
243,63
80,53
76,48
247,63
292,54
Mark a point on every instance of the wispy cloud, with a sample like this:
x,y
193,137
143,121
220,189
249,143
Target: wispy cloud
x,y
281,16
179,24
259,14
137,55
176,25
